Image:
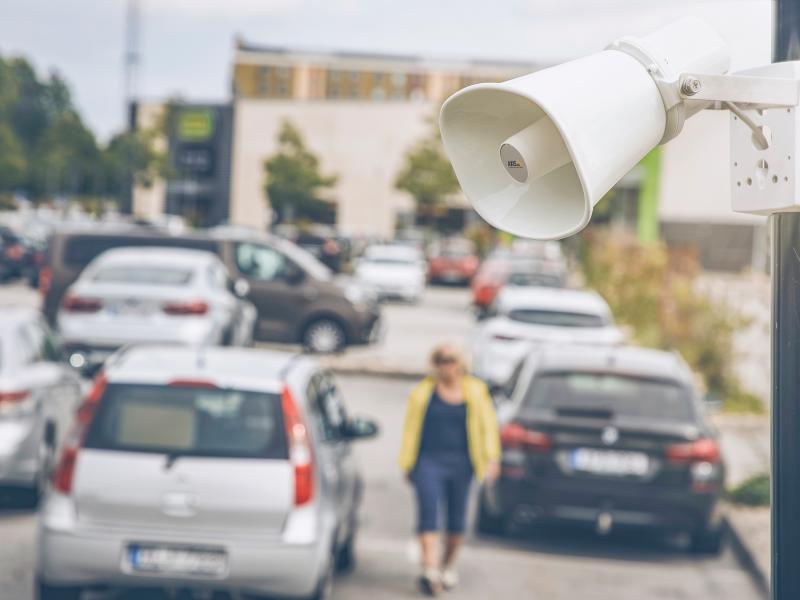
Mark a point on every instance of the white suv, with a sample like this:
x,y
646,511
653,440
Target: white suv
x,y
212,469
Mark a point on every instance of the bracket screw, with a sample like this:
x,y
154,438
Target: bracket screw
x,y
690,86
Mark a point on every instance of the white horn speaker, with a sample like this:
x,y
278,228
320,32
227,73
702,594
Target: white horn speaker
x,y
536,153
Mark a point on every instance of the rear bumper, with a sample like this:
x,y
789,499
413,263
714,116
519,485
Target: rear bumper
x,y
19,463
99,342
650,506
99,559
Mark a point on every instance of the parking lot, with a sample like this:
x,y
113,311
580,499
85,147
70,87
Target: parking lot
x,y
552,563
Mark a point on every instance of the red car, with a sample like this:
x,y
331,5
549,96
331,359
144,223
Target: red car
x,y
507,269
452,261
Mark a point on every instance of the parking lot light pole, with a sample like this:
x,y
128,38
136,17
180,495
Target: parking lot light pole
x,y
786,359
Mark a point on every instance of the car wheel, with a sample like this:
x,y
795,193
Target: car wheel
x,y
46,591
324,336
707,541
488,523
346,557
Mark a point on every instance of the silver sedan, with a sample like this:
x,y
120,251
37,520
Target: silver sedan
x,y
38,394
140,295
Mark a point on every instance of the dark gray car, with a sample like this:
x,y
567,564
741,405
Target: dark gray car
x,y
297,298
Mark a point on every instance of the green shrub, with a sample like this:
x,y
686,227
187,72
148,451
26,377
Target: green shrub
x,y
752,492
653,290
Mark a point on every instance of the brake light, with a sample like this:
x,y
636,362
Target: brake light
x,y
300,453
702,450
62,478
73,303
182,309
45,280
485,294
14,252
515,436
14,397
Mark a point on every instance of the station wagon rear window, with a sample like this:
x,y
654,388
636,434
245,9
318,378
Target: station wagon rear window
x,y
555,318
141,275
608,395
189,421
80,250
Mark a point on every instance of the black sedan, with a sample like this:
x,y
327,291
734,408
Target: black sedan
x,y
608,437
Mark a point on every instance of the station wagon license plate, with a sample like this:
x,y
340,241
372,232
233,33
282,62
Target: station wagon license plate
x,y
610,462
177,560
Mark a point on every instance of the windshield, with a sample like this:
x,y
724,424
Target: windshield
x,y
608,395
189,421
555,318
535,280
307,261
143,275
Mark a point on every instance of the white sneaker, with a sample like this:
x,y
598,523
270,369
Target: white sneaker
x,y
449,579
430,583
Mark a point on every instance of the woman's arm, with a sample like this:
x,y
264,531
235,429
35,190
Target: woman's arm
x,y
410,440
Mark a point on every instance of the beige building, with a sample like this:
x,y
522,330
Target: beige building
x,y
359,113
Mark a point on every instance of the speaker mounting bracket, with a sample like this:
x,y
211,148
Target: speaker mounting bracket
x,y
746,91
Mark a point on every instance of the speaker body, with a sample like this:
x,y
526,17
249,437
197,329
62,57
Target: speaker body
x,y
536,153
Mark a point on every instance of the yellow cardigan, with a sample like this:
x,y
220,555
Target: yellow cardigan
x,y
482,433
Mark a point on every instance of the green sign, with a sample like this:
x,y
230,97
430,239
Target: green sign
x,y
195,125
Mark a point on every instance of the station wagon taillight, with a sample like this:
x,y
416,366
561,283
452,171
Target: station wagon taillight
x,y
79,304
517,437
62,478
177,309
13,397
300,452
702,450
45,281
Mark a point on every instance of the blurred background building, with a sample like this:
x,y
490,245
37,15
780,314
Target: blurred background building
x,y
360,113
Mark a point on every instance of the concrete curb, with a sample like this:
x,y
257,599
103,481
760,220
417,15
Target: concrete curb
x,y
745,555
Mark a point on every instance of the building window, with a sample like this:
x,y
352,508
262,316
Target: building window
x,y
333,87
284,78
398,86
263,80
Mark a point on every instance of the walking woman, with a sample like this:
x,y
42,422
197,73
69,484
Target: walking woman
x,y
450,436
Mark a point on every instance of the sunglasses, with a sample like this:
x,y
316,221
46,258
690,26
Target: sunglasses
x,y
445,360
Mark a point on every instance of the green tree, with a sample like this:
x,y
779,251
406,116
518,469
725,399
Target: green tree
x,y
13,165
294,182
134,150
427,175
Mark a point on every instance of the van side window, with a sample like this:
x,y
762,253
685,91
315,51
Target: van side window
x,y
259,262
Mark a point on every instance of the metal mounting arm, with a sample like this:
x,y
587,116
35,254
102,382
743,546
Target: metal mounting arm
x,y
755,92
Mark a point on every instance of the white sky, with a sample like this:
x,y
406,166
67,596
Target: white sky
x,y
186,45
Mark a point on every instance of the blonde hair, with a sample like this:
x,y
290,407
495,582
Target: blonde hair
x,y
450,349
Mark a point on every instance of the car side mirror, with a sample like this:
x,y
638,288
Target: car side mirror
x,y
293,274
361,429
240,288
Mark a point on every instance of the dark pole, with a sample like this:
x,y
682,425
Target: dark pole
x,y
786,360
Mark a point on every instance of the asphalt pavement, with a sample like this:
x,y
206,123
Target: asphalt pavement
x,y
551,564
